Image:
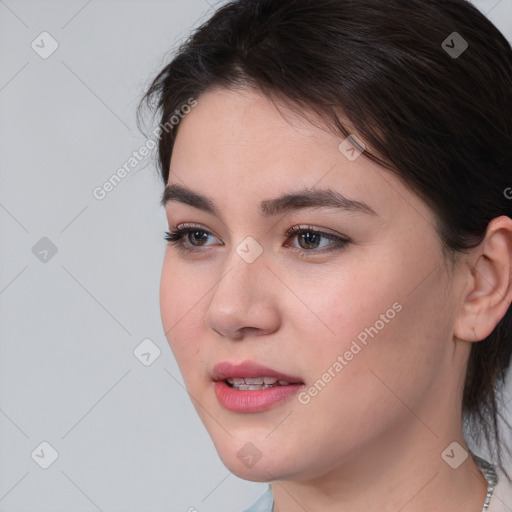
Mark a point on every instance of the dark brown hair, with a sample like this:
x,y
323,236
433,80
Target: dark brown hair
x,y
442,122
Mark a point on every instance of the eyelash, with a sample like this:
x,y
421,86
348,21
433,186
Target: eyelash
x,y
176,238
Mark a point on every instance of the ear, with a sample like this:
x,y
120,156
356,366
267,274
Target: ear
x,y
488,292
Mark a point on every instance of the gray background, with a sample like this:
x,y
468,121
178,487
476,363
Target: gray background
x,y
127,436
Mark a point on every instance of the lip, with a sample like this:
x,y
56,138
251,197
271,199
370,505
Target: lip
x,y
226,369
239,401
235,400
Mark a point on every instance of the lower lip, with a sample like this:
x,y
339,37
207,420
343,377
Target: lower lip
x,y
258,400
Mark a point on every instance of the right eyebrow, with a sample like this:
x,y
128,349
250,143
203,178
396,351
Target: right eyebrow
x,y
188,196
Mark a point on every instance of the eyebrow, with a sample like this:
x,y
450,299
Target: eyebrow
x,y
306,198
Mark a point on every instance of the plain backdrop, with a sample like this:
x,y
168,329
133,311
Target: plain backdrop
x,y
79,276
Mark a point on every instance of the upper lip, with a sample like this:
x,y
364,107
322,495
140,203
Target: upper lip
x,y
225,370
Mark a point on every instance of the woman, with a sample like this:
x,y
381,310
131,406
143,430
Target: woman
x,y
336,287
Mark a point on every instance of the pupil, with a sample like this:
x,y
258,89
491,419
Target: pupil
x,y
311,239
198,236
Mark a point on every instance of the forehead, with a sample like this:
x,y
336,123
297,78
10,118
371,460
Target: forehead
x,y
242,135
243,141
247,117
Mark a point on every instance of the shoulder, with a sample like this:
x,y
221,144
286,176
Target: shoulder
x,y
264,503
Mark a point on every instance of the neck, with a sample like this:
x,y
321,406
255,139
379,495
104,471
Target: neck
x,y
398,474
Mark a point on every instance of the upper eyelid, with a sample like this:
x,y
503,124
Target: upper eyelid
x,y
298,227
185,228
306,227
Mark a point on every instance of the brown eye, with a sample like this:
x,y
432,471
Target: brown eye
x,y
188,238
309,240
197,236
315,241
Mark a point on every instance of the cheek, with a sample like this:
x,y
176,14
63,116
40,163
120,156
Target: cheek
x,y
390,300
389,332
342,305
181,313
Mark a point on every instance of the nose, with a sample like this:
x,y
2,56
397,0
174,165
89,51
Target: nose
x,y
244,301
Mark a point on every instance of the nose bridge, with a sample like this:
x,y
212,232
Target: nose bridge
x,y
239,285
240,298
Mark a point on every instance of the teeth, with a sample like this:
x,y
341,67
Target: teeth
x,y
247,387
255,383
254,380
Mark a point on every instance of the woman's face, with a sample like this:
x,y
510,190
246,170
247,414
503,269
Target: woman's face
x,y
364,328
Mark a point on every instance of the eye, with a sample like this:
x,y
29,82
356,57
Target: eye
x,y
310,239
187,238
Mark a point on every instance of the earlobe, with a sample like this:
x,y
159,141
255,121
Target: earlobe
x,y
490,278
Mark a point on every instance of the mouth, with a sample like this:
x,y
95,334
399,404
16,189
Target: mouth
x,y
256,383
251,374
251,387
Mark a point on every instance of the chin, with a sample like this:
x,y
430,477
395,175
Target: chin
x,y
247,462
252,475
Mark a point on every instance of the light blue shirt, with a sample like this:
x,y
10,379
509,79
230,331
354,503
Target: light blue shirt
x,y
265,503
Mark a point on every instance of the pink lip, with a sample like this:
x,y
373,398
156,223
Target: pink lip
x,y
259,400
255,400
225,370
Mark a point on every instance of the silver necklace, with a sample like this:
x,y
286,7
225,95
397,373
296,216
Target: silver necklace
x,y
491,477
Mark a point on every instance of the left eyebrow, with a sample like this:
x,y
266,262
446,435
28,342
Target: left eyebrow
x,y
314,198
306,198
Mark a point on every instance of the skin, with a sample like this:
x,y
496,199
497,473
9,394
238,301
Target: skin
x,y
372,439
